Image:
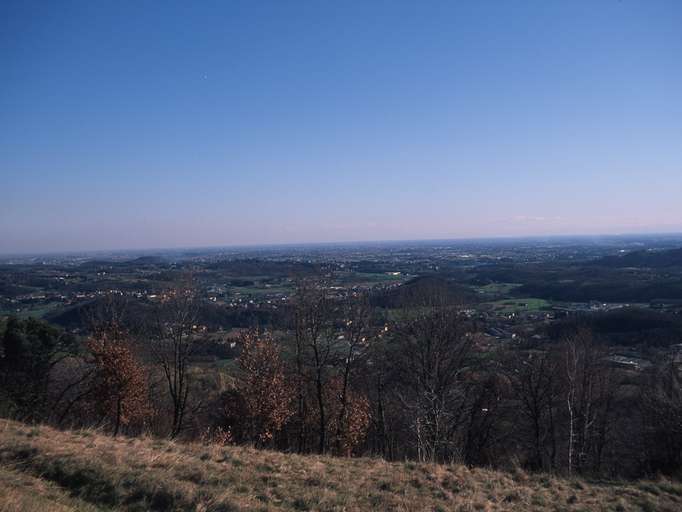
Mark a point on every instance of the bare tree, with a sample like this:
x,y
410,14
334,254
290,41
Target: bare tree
x,y
356,328
172,345
314,350
661,412
378,375
590,389
535,387
435,346
107,316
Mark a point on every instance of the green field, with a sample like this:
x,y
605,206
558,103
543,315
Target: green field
x,y
508,306
372,279
36,312
497,288
258,291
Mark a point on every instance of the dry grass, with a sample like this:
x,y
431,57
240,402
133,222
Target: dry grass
x,y
21,492
46,469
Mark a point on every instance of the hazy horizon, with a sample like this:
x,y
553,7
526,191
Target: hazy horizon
x,y
168,125
349,243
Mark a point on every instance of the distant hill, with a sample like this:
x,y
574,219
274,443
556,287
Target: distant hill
x,y
625,327
142,261
81,315
48,470
258,267
645,259
425,288
138,313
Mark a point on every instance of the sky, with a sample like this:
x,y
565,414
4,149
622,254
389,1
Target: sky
x,y
130,125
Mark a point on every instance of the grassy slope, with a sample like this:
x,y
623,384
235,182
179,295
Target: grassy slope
x,y
45,469
21,491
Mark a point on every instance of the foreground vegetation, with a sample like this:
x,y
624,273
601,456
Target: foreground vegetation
x,y
429,385
45,469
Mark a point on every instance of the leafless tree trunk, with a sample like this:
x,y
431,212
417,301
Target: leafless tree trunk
x,y
356,332
534,384
589,392
314,343
661,412
172,346
435,346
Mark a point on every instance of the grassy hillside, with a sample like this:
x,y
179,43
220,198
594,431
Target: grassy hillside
x,y
43,469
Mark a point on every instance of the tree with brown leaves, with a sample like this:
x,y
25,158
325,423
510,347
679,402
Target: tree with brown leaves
x,y
267,397
350,415
119,384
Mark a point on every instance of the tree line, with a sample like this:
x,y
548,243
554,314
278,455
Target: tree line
x,y
344,378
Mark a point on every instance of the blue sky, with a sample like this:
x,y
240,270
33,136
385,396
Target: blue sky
x,y
169,124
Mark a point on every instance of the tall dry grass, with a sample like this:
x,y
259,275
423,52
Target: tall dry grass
x,y
46,469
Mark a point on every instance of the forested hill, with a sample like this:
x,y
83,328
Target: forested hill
x,y
644,259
